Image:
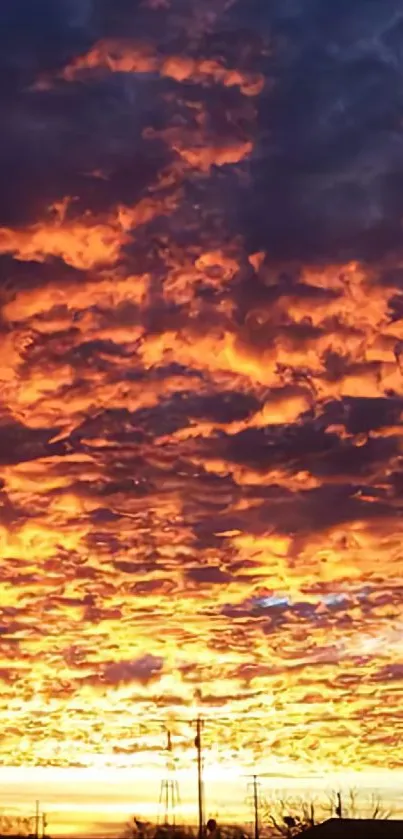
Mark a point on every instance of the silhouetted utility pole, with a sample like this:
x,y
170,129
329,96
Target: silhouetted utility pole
x,y
339,808
37,820
255,793
198,744
256,806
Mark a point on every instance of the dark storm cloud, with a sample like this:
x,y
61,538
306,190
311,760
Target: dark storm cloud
x,y
19,443
213,575
142,670
307,446
131,19
38,36
362,415
55,143
177,412
298,516
16,275
391,672
328,168
53,140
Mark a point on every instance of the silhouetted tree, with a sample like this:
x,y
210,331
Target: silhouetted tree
x,y
138,829
15,825
354,805
288,816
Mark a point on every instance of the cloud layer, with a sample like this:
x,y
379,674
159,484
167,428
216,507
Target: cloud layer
x,y
201,381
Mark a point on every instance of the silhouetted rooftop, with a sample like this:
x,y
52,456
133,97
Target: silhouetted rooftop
x,y
346,828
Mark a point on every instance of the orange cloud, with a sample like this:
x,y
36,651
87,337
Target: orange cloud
x,y
200,494
128,57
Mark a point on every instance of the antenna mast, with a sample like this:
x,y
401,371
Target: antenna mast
x,y
169,793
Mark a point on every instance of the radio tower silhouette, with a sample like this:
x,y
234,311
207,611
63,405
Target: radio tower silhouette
x,y
169,792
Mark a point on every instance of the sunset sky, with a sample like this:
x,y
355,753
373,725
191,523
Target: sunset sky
x,y
201,443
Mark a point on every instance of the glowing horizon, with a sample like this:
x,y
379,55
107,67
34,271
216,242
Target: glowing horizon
x,y
102,803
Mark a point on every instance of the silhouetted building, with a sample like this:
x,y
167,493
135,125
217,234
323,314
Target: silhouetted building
x,y
356,829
